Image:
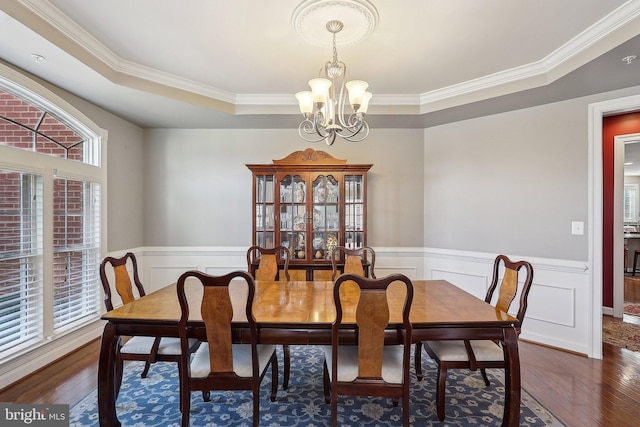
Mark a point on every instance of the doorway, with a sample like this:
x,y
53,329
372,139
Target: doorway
x,y
598,244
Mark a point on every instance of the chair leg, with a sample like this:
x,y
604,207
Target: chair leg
x,y
118,374
395,401
145,371
256,404
185,405
484,376
326,384
334,408
440,392
206,396
287,366
405,408
418,360
635,262
274,377
180,387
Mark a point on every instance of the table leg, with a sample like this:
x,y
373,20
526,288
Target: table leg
x,y
107,378
512,379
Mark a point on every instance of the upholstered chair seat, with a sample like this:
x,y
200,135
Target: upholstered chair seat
x,y
484,351
242,364
348,363
143,345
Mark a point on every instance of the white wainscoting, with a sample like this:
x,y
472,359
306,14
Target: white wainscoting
x,y
558,314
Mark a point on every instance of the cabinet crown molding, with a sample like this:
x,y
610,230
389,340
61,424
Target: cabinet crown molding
x,y
309,156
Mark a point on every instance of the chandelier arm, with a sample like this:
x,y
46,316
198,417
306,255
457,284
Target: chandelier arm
x,y
363,132
354,125
341,103
307,127
303,136
311,127
330,139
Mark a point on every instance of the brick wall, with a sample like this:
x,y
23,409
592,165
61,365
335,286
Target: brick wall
x,y
34,119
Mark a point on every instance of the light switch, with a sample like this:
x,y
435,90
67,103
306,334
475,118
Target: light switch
x,y
577,227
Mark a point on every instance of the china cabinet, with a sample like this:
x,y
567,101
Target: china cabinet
x,y
310,202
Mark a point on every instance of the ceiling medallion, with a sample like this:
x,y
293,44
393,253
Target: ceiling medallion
x,y
359,17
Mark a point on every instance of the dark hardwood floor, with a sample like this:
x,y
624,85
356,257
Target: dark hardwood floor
x,y
578,390
66,381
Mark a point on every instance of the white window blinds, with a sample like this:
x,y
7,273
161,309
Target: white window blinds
x,y
21,278
76,218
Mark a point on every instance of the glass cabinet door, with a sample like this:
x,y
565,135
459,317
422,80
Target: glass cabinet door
x,y
293,215
325,216
354,211
265,213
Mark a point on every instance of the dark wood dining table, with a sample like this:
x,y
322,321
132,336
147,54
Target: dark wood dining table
x,y
301,312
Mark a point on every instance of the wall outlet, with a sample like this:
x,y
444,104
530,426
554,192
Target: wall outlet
x,y
577,227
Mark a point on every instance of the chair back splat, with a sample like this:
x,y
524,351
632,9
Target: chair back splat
x,y
122,285
509,285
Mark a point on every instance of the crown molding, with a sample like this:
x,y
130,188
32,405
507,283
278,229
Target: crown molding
x,y
613,29
596,40
120,68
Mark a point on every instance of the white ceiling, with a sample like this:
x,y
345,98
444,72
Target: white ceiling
x,y
230,64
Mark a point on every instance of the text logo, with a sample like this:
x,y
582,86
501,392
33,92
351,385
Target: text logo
x,y
34,415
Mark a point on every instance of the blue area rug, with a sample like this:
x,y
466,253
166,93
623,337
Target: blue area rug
x,y
154,401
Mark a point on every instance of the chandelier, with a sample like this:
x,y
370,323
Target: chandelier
x,y
324,106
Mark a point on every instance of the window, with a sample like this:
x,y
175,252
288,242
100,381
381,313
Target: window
x,y
631,202
20,259
28,127
76,247
50,219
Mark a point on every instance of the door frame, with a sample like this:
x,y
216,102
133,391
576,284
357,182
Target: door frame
x,y
596,112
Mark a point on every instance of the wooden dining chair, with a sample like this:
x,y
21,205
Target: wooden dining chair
x,y
219,364
355,261
479,354
271,262
369,368
270,268
142,348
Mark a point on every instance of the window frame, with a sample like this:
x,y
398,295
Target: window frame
x,y
50,168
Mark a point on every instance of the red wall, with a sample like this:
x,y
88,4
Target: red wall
x,y
611,126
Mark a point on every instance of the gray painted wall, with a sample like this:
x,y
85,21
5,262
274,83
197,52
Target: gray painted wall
x,y
513,182
198,189
509,183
